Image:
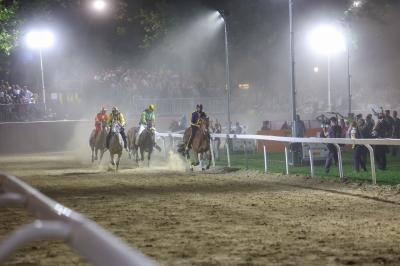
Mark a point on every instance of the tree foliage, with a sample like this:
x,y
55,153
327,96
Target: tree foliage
x,y
9,23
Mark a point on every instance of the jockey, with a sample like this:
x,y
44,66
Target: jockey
x,y
101,117
197,117
116,115
146,117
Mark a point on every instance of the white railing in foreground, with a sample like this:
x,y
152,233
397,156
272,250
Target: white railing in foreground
x,y
55,221
288,140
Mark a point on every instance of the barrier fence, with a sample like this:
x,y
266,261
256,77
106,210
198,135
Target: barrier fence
x,y
368,143
54,221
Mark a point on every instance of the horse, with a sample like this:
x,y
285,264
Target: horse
x,y
116,144
146,143
99,143
131,141
200,145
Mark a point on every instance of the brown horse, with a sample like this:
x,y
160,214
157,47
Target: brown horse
x,y
146,143
99,143
200,144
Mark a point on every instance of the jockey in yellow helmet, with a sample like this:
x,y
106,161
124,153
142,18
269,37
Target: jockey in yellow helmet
x,y
117,116
147,117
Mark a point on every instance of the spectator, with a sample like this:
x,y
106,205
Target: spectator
x,y
358,150
396,132
334,131
380,131
300,127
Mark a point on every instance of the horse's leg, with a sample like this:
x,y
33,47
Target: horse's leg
x,y
148,159
142,154
117,164
112,159
96,152
196,157
209,160
137,155
200,156
92,154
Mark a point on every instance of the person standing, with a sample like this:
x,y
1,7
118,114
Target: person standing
x,y
370,124
358,150
380,131
396,132
334,131
301,127
389,124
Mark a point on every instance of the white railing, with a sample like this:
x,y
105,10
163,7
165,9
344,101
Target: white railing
x,y
289,140
54,221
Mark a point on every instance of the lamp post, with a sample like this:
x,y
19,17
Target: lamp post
x,y
40,40
292,69
227,72
328,40
347,21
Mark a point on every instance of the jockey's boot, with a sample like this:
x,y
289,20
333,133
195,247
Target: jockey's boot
x,y
158,148
125,144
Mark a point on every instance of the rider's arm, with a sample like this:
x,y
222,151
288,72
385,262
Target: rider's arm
x,y
194,118
143,118
122,120
153,119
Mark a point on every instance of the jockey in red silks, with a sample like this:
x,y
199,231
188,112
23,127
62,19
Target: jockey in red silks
x,y
101,117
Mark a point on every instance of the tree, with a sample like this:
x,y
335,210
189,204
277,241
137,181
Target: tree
x,y
9,23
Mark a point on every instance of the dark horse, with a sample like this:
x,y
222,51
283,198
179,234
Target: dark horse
x,y
99,143
200,144
147,143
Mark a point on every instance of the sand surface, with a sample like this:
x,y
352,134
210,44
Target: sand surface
x,y
212,218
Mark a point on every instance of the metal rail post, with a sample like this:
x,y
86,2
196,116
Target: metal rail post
x,y
165,148
228,156
212,151
372,159
265,160
340,160
286,160
311,162
245,154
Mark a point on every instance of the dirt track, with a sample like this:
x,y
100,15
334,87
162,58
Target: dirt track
x,y
241,218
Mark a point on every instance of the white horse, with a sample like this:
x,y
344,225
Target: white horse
x,y
116,144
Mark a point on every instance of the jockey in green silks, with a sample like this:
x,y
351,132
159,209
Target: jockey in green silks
x,y
147,117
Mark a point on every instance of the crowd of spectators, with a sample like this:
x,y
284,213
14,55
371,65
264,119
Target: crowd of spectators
x,y
386,126
158,83
17,103
15,94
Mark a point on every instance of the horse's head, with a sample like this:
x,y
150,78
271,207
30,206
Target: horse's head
x,y
204,123
115,127
149,126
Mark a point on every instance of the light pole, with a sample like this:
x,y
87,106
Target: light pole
x,y
348,24
292,69
327,40
40,40
227,72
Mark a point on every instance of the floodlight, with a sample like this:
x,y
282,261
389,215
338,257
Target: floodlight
x,y
40,40
99,5
327,40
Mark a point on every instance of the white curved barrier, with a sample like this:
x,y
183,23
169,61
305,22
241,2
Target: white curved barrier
x,y
55,221
288,140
